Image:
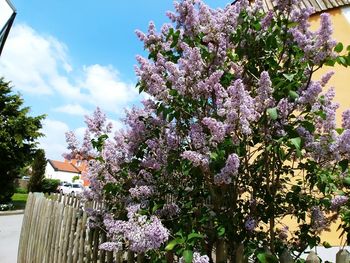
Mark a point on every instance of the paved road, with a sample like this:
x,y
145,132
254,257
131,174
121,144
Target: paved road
x,y
10,228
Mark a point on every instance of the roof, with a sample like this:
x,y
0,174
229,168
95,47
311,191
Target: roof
x,y
64,166
318,5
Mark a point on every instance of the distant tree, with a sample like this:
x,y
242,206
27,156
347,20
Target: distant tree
x,y
75,178
38,172
18,135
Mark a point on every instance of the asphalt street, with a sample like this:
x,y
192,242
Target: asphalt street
x,y
10,229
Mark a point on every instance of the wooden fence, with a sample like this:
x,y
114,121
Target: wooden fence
x,y
54,230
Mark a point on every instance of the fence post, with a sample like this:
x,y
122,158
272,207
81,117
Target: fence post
x,y
312,258
240,257
221,251
343,256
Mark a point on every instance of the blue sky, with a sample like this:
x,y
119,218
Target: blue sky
x,y
67,57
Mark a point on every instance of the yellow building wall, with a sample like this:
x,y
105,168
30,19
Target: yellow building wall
x,y
341,82
341,79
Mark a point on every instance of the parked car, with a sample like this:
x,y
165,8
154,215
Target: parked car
x,y
71,188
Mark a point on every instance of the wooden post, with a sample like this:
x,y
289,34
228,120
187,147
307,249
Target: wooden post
x,y
82,239
343,256
141,258
131,256
71,236
109,256
103,252
95,245
312,258
221,251
240,257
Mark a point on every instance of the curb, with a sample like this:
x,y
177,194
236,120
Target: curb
x,y
11,212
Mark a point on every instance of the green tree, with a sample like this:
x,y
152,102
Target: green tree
x,y
38,172
18,135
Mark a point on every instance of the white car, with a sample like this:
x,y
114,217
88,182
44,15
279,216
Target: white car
x,y
71,188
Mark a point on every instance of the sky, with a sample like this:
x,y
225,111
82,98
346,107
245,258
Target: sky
x,y
67,57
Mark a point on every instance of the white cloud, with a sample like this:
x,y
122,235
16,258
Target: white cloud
x,y
39,64
54,142
32,61
73,109
106,89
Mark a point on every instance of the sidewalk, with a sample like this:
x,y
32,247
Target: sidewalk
x,y
11,212
10,229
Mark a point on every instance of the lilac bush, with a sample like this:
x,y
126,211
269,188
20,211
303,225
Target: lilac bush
x,y
237,134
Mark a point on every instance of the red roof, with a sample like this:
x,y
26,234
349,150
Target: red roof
x,y
64,166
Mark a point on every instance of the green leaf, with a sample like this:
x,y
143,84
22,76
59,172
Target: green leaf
x,y
347,180
272,112
342,60
290,77
221,231
173,92
344,164
308,126
267,258
214,156
293,94
194,235
339,130
339,47
297,144
326,244
188,255
173,243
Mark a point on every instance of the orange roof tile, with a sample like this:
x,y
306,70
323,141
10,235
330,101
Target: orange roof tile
x,y
63,166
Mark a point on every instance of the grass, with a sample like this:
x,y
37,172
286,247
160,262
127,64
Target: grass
x,y
19,200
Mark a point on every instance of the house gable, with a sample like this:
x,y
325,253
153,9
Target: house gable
x,y
63,167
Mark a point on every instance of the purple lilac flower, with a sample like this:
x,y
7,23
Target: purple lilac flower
x,y
318,220
230,169
197,258
72,141
346,119
97,123
310,95
250,224
343,143
196,158
217,129
284,108
264,97
338,201
111,246
206,86
146,235
197,136
140,192
329,108
325,78
168,211
283,233
266,21
240,108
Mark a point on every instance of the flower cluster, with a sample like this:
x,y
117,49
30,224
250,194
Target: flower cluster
x,y
338,201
